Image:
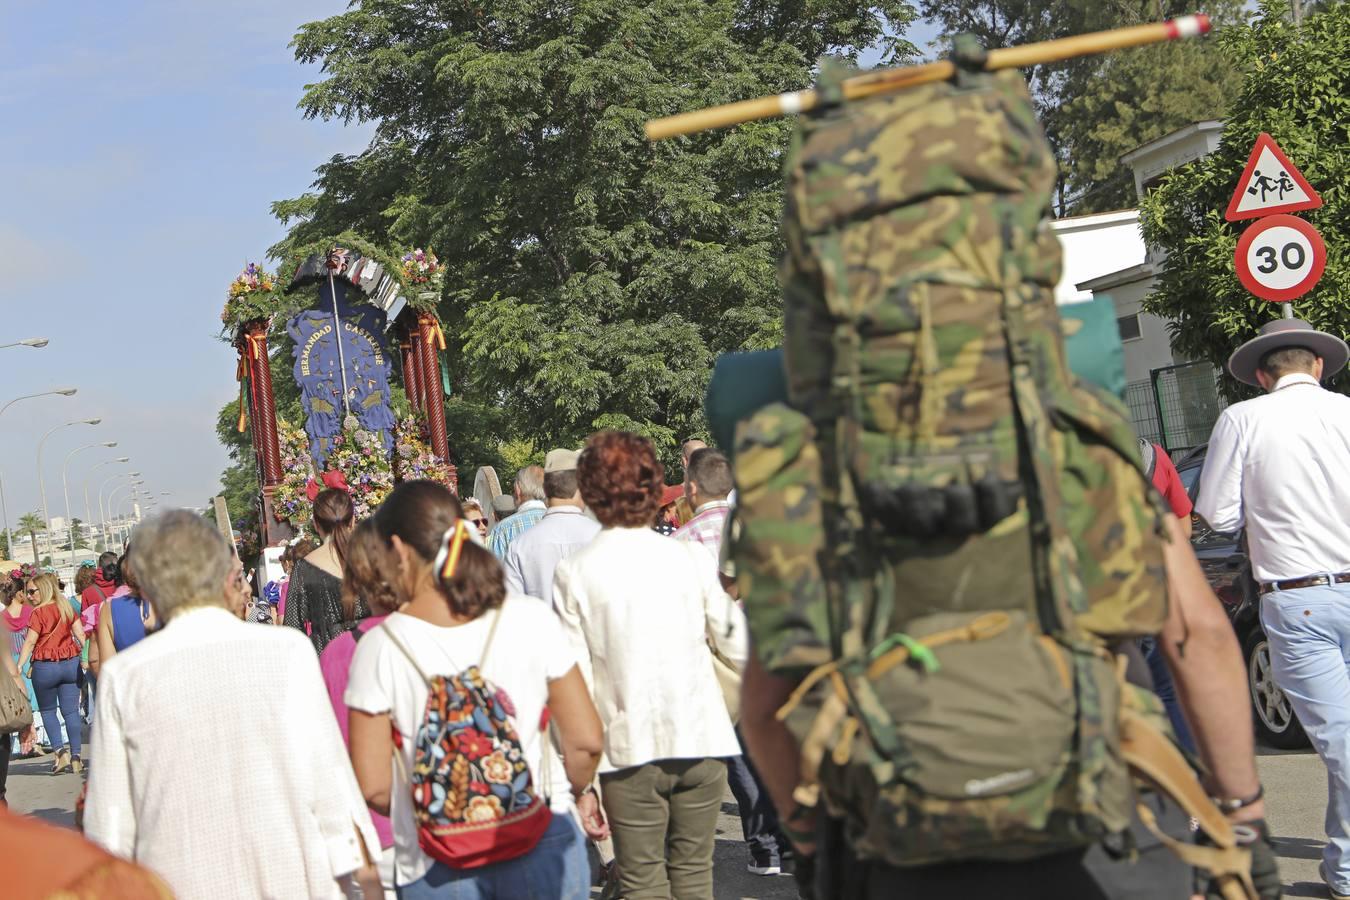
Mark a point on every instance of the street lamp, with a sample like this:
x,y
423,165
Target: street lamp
x,y
42,482
35,343
64,392
65,489
102,514
88,510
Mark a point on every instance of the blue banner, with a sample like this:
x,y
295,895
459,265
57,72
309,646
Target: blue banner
x,y
325,346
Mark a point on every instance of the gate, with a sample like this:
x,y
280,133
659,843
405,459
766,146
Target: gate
x,y
1186,404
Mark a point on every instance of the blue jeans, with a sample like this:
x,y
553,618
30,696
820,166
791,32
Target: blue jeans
x,y
56,684
1309,634
759,821
1166,690
556,869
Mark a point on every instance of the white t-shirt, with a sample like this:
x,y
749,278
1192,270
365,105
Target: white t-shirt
x,y
528,651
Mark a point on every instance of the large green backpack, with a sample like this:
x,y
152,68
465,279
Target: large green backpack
x,y
943,532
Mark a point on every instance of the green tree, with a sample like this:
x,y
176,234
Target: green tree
x,y
76,529
1096,109
31,523
591,276
1296,88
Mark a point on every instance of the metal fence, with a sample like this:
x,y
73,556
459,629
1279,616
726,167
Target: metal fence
x,y
1143,410
1176,406
1187,402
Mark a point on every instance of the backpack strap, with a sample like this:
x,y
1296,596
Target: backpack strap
x,y
404,650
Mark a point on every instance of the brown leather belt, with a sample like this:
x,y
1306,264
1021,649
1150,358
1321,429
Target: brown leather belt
x,y
1294,584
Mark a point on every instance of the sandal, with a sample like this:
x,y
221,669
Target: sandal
x,y
62,761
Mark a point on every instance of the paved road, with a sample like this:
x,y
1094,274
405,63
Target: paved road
x,y
1295,790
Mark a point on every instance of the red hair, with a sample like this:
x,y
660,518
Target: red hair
x,y
621,479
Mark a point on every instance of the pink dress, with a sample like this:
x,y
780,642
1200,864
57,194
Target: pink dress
x,y
335,662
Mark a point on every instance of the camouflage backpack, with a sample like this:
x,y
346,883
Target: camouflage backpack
x,y
943,531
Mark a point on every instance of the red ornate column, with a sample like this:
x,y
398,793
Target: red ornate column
x,y
262,403
253,359
412,363
431,341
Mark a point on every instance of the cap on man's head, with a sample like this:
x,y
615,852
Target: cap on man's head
x,y
560,461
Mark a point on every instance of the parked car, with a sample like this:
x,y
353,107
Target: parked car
x,y
1223,557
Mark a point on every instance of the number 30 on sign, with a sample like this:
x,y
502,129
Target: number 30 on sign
x,y
1280,258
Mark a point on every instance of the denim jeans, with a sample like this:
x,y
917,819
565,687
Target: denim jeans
x,y
1166,690
1309,634
759,821
556,869
56,684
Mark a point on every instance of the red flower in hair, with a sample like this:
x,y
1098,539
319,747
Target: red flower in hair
x,y
329,480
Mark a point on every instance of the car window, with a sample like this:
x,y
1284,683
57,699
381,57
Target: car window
x,y
1190,479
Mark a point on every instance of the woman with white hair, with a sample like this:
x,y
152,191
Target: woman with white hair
x,y
174,784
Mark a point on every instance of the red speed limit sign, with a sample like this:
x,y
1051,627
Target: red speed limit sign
x,y
1280,258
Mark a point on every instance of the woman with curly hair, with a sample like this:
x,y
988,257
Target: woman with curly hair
x,y
641,609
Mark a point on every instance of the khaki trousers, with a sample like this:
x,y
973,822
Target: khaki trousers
x,y
663,816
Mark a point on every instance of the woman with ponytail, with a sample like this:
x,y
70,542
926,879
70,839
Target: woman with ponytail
x,y
457,618
314,598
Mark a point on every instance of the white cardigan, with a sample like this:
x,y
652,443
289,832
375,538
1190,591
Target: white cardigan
x,y
635,604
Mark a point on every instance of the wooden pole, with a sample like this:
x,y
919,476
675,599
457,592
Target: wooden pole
x,y
885,81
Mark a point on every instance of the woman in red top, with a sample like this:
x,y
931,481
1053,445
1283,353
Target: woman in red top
x,y
54,641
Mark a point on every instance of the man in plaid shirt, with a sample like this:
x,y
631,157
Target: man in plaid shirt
x,y
707,483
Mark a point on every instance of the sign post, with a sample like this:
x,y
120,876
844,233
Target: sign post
x,y
1280,257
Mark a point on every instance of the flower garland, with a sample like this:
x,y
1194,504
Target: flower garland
x,y
357,453
422,270
413,458
290,503
254,294
354,244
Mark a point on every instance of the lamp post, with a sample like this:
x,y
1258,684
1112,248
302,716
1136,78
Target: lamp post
x,y
65,490
64,392
35,343
42,482
128,521
102,514
88,514
112,503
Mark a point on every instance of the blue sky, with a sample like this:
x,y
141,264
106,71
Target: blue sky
x,y
143,142
142,145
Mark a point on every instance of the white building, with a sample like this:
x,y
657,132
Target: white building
x,y
1105,254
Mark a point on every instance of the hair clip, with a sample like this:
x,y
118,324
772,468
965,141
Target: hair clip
x,y
452,544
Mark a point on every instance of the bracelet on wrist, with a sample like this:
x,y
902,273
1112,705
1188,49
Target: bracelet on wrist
x,y
588,789
1233,804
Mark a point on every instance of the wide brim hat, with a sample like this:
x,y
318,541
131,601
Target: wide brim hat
x,y
1283,333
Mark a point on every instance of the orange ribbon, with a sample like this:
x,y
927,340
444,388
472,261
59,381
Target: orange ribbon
x,y
434,333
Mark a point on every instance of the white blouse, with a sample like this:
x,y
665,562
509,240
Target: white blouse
x,y
638,606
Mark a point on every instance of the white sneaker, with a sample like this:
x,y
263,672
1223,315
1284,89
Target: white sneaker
x,y
1335,895
766,865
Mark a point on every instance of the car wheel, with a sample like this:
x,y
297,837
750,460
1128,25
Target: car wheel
x,y
1276,724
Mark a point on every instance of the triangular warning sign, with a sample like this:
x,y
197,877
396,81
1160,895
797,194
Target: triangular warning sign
x,y
1270,184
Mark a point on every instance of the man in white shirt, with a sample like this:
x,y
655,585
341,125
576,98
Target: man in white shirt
x,y
564,530
183,718
1278,466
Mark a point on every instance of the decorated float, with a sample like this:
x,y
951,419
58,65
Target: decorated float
x,y
344,304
